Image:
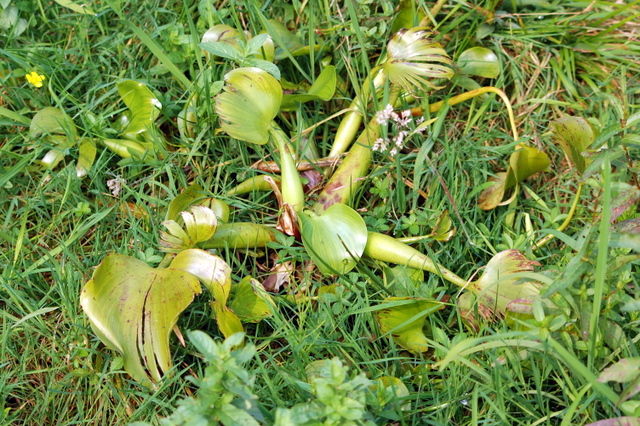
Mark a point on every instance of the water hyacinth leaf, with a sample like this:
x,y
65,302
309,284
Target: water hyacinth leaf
x,y
127,148
184,200
188,117
387,389
334,240
211,270
200,225
132,308
286,41
228,322
78,8
498,288
251,302
574,135
626,198
523,163
143,105
248,104
414,59
403,318
52,121
627,370
479,61
58,152
443,230
617,421
322,89
241,235
86,156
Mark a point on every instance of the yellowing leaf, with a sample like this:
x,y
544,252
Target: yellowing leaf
x,y
251,302
132,308
403,318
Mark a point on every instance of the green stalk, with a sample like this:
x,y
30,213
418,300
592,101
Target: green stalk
x,y
292,192
349,176
352,120
387,249
240,235
469,95
545,240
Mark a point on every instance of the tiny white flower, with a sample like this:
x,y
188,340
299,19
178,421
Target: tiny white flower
x,y
383,116
393,151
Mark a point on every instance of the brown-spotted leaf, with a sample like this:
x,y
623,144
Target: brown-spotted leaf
x,y
574,134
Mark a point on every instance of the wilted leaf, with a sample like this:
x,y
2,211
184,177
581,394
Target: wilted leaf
x,y
249,103
574,134
132,308
523,163
334,240
629,226
479,61
497,288
404,318
143,105
627,198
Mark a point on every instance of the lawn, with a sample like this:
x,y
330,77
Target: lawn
x,y
320,212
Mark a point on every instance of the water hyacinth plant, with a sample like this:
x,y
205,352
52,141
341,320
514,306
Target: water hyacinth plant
x,y
251,106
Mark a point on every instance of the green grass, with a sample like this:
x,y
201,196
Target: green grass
x,y
556,60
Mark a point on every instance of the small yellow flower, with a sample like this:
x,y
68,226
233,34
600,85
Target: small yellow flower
x,y
35,79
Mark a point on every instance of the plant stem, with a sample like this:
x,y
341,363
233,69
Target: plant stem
x,y
576,199
348,177
352,120
387,249
292,192
417,111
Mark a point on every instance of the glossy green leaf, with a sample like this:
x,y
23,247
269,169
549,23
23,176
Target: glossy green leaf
x,y
322,90
334,240
574,135
86,156
249,103
523,163
414,60
143,105
403,318
251,302
241,235
479,61
132,308
211,270
228,322
52,121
